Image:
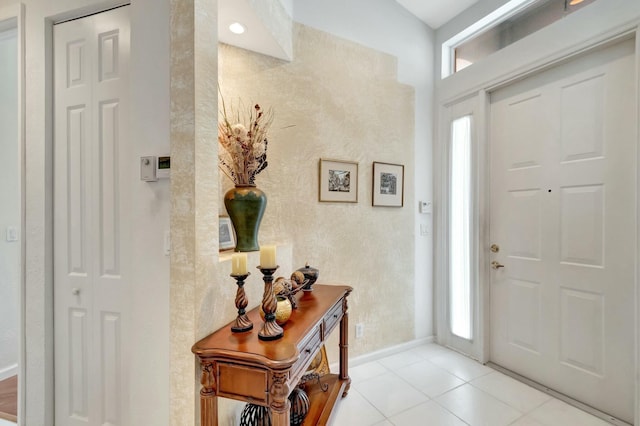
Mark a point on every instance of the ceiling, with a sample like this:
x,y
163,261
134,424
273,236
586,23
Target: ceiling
x,y
258,38
436,12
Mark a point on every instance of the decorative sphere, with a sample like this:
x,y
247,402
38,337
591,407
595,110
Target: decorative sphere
x,y
279,286
298,278
283,310
299,406
255,415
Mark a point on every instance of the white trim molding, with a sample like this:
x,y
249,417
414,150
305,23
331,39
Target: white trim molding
x,y
12,16
383,353
637,292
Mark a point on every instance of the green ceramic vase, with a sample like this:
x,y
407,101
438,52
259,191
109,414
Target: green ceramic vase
x,y
245,205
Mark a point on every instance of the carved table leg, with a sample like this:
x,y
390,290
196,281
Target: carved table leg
x,y
280,404
344,346
208,399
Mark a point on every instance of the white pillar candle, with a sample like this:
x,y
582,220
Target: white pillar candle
x,y
268,257
239,263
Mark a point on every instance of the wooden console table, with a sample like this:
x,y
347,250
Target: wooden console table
x,y
242,367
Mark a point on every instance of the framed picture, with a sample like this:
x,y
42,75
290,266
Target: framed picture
x,y
338,181
226,234
388,184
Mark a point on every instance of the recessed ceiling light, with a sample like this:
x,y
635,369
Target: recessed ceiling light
x,y
237,28
574,2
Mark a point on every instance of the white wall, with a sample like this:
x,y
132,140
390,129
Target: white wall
x,y
149,363
10,209
386,26
150,136
288,6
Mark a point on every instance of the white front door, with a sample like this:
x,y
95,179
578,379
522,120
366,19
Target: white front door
x,y
92,173
563,215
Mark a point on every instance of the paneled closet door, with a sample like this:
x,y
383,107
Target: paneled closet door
x,y
92,172
563,214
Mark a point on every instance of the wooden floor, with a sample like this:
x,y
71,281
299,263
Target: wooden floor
x,y
9,399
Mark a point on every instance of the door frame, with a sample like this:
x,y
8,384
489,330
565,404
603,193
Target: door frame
x,y
481,89
12,17
474,106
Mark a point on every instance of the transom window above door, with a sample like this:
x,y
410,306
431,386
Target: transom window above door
x,y
513,21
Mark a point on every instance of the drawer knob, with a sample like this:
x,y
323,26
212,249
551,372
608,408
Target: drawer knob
x,y
308,350
335,315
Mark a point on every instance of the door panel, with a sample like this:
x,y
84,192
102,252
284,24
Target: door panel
x,y
563,190
91,205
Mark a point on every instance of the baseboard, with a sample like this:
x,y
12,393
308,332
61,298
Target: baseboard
x,y
9,417
382,353
9,371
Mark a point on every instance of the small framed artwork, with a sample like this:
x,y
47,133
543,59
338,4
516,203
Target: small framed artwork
x,y
338,181
388,185
226,235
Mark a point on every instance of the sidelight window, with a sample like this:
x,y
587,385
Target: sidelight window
x,y
460,236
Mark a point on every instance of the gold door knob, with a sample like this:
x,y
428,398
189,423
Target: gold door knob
x,y
496,265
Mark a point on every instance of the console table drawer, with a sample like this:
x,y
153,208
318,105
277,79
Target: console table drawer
x,y
307,350
332,319
242,383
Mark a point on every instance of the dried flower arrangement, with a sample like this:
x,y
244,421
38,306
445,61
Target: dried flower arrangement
x,y
243,142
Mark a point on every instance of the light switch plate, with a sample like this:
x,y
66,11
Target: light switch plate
x,y
12,234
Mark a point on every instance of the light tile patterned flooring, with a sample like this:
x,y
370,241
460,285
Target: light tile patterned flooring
x,y
433,386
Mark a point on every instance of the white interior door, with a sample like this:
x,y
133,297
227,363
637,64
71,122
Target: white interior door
x,y
91,176
563,209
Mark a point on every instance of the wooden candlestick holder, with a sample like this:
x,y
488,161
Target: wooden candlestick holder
x,y
270,330
242,322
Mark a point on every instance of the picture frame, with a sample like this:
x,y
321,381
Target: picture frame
x,y
338,181
388,185
226,234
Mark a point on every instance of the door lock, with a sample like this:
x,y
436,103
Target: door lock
x,y
496,265
494,248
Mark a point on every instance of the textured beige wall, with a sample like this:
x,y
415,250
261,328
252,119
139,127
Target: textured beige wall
x,y
345,103
194,190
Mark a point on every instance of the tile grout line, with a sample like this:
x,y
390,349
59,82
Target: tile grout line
x,y
430,399
561,397
492,386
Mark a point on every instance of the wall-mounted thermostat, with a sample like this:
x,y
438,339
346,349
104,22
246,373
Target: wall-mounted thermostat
x,y
148,169
163,167
153,168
